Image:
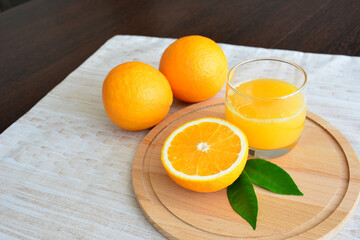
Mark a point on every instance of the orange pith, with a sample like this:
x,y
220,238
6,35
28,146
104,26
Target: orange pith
x,y
205,155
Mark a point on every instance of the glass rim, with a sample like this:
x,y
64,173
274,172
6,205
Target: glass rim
x,y
232,70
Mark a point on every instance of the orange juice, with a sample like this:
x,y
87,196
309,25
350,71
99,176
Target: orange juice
x,y
269,111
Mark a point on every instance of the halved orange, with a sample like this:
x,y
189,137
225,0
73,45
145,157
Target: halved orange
x,y
205,155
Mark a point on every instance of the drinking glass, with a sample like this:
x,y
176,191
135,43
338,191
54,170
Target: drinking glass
x,y
266,99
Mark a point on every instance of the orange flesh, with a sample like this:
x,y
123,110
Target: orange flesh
x,y
196,150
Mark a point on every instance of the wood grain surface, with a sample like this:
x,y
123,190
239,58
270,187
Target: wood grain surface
x,y
323,164
65,168
42,41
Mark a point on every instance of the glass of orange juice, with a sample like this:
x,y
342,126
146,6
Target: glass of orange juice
x,y
265,97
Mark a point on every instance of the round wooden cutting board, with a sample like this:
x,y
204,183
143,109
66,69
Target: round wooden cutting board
x,y
323,165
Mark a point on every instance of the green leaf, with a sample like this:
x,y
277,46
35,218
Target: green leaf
x,y
243,199
272,177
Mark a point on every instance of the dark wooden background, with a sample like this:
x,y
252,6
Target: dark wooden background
x,y
42,41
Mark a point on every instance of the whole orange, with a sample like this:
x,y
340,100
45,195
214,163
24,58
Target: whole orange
x,y
136,96
195,67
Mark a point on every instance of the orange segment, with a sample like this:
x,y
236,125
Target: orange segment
x,y
205,155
